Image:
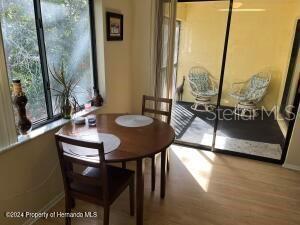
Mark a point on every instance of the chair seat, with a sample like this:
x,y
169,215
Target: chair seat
x,y
208,93
238,96
242,97
252,90
118,180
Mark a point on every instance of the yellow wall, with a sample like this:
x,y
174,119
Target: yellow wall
x,y
30,177
201,39
258,40
117,57
181,11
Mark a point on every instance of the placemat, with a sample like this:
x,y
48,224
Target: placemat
x,y
110,142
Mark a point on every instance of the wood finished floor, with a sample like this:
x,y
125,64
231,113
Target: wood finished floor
x,y
209,189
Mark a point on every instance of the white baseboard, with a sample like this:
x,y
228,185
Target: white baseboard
x,y
291,166
46,208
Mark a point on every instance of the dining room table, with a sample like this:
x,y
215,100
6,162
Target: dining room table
x,y
135,144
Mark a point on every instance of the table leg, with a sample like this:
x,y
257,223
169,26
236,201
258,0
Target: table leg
x,y
139,191
163,174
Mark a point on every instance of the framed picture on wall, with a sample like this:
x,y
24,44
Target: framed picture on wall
x,y
114,26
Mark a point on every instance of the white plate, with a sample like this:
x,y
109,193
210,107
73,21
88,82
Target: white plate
x,y
134,121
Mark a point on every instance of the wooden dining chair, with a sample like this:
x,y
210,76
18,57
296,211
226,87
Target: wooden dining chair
x,y
157,109
99,183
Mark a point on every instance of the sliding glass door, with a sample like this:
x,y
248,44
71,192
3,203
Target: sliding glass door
x,y
250,123
199,61
237,76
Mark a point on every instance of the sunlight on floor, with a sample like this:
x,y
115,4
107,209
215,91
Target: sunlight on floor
x,y
198,163
207,140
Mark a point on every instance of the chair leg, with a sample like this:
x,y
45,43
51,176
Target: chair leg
x,y
131,196
163,175
106,215
206,108
194,106
168,160
243,112
73,204
68,208
153,172
255,113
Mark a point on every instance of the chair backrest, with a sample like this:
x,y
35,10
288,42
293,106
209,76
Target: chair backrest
x,y
200,79
158,107
257,86
68,160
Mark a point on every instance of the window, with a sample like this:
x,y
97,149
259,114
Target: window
x,y
39,35
67,38
22,53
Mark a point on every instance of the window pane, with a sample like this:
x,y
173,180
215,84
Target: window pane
x,y
22,53
67,38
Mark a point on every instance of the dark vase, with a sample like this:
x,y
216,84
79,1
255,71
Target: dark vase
x,y
97,99
20,101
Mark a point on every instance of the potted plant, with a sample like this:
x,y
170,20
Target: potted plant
x,y
65,98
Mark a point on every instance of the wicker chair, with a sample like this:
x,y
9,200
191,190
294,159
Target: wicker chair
x,y
249,93
203,87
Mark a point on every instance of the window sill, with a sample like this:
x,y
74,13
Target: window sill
x,y
46,128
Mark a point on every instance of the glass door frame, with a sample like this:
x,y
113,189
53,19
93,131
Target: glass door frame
x,y
221,82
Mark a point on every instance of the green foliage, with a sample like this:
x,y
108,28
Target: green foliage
x,y
21,44
64,89
22,53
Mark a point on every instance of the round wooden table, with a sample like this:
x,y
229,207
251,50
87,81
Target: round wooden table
x,y
136,144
